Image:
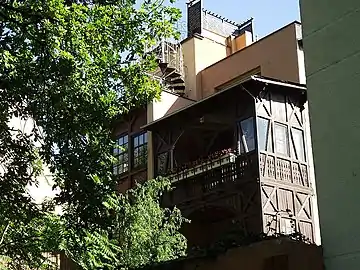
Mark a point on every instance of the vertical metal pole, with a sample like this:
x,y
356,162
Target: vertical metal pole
x,y
172,158
163,43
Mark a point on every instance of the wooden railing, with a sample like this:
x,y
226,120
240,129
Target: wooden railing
x,y
214,176
203,167
284,169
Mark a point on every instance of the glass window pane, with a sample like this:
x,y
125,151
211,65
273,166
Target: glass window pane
x,y
121,152
270,141
298,137
122,149
279,107
136,152
263,128
140,150
281,139
145,137
247,129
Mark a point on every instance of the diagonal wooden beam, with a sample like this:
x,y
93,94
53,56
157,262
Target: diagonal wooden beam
x,y
269,198
303,204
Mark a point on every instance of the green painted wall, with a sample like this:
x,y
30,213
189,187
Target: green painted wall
x,y
331,35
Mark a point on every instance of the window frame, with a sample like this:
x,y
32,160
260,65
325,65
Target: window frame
x,y
121,152
134,147
287,139
242,139
269,140
303,145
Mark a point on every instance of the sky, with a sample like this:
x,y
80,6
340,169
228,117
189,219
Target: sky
x,y
269,15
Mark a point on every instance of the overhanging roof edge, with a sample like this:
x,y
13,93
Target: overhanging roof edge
x,y
257,78
278,82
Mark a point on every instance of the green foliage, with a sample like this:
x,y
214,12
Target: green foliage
x,y
26,244
143,233
73,67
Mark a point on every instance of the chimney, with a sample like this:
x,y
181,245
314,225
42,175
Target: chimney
x,y
242,38
194,20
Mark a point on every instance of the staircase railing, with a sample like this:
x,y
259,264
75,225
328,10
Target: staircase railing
x,y
170,53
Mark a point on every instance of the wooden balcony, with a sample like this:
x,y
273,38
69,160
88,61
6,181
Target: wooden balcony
x,y
203,167
225,174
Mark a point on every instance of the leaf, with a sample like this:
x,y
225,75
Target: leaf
x,y
64,65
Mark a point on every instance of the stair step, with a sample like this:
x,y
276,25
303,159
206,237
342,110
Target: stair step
x,y
172,75
163,67
179,92
176,84
157,72
178,87
177,80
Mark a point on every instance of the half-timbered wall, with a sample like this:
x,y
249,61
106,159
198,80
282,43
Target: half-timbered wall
x,y
286,190
268,188
224,124
232,188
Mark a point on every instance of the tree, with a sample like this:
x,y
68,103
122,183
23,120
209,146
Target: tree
x,y
71,68
143,232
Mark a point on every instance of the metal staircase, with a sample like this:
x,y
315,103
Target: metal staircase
x,y
170,66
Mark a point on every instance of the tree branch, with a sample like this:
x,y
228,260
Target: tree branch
x,y
4,232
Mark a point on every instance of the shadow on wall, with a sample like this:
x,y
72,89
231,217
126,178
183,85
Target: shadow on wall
x,y
277,254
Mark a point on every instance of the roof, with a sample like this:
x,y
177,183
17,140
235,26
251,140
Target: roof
x,y
251,81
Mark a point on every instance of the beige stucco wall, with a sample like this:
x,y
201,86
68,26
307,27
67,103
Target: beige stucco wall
x,y
167,104
43,190
188,48
199,53
276,55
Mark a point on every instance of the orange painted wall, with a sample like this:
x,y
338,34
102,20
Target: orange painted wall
x,y
275,54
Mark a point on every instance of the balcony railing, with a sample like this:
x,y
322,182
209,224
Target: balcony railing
x,y
217,174
203,167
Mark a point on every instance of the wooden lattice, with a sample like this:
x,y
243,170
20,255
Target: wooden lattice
x,y
270,164
283,170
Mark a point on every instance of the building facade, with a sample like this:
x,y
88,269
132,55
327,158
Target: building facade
x,y
332,59
231,130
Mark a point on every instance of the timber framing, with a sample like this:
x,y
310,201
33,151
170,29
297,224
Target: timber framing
x,y
268,187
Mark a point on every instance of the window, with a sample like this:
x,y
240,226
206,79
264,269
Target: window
x,y
281,139
279,107
298,139
246,135
265,135
140,150
122,155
